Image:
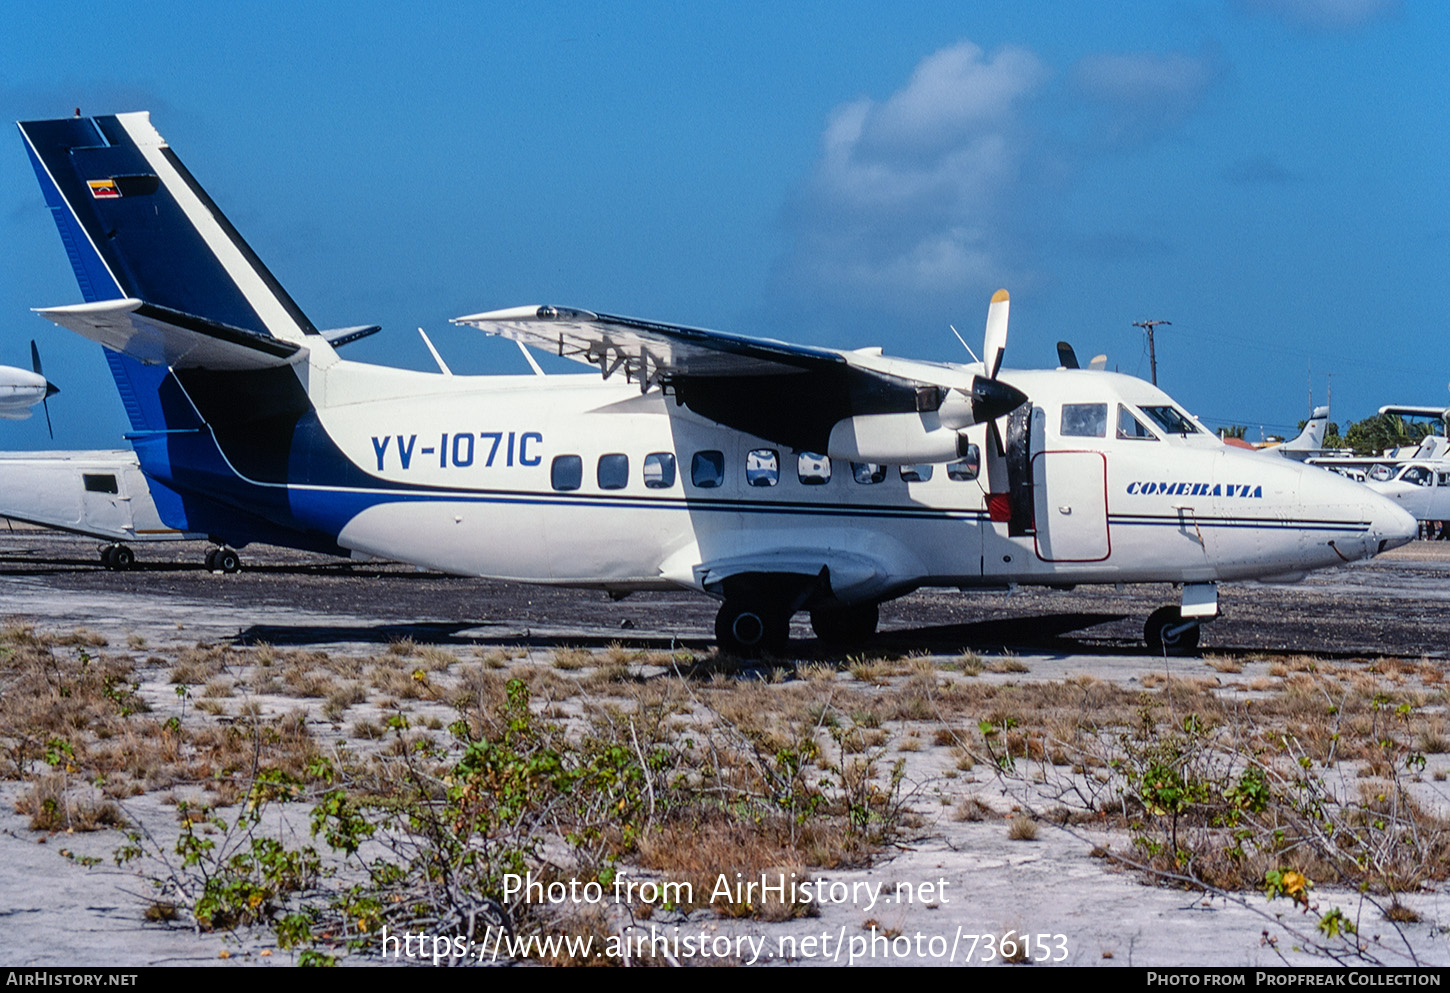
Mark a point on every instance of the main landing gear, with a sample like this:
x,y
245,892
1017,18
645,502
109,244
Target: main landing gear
x,y
117,557
1175,630
752,626
223,559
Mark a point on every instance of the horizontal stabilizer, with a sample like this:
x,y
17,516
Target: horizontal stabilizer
x,y
160,336
338,337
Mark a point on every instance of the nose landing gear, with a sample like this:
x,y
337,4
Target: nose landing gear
x,y
1175,630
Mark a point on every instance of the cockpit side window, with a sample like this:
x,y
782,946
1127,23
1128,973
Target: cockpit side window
x,y
1084,420
1418,475
1131,428
1171,419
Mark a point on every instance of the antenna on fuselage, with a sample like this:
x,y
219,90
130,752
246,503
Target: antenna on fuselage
x,y
442,366
964,343
529,358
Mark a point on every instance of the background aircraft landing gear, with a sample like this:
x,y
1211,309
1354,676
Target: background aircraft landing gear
x,y
1168,633
117,557
749,629
223,559
846,626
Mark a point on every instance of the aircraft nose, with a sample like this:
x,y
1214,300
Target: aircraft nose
x,y
1391,525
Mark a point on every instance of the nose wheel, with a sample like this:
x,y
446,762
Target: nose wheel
x,y
1168,632
750,629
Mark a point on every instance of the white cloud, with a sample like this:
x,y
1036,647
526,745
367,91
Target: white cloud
x,y
1326,14
1144,94
909,191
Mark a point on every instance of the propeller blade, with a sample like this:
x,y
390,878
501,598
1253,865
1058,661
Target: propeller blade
x,y
50,388
1066,357
46,405
994,343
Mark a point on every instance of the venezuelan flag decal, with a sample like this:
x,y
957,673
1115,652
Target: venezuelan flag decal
x,y
104,189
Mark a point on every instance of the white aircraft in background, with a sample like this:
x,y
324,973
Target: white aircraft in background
x,y
100,494
22,389
772,476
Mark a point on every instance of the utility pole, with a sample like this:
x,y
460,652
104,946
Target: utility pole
x,y
1152,355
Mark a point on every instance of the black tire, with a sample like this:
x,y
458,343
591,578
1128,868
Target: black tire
x,y
227,560
108,554
122,558
846,625
748,629
1160,642
211,559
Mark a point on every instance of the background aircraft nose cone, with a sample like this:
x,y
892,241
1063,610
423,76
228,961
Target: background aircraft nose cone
x,y
1392,525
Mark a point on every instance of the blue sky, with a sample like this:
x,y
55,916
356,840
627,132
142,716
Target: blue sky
x,y
1269,175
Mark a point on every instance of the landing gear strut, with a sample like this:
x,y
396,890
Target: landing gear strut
x,y
117,557
1174,630
1168,633
223,559
749,629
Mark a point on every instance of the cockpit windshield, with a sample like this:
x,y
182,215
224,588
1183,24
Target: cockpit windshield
x,y
1171,420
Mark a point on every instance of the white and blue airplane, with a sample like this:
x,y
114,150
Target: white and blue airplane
x,y
774,477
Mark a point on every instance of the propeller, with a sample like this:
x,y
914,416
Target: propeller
x,y
50,388
1004,400
1067,358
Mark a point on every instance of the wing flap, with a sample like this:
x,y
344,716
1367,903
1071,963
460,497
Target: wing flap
x,y
157,335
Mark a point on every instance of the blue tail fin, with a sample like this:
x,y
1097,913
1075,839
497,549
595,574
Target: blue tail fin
x,y
135,224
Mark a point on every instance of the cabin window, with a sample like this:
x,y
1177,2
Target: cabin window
x,y
1418,475
566,472
1131,428
659,470
613,471
867,473
966,468
1084,420
762,467
1171,419
916,473
100,483
813,469
707,469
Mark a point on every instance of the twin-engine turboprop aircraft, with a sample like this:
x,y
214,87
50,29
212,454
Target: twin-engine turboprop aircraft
x,y
775,477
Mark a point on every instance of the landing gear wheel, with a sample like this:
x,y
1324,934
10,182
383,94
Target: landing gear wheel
x,y
1163,637
846,625
748,629
117,557
211,559
226,559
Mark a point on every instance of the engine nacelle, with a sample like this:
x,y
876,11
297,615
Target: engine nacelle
x,y
896,439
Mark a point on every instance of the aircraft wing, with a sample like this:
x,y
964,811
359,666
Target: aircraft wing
x,y
1403,410
160,336
791,394
646,350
